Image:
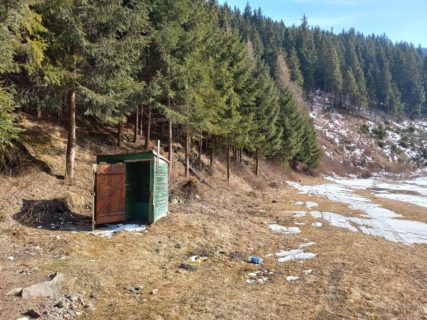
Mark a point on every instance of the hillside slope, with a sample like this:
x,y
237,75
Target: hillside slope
x,y
193,264
367,142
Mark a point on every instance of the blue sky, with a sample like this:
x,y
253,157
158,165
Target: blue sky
x,y
398,19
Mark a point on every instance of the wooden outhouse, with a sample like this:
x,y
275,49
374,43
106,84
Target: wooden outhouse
x,y
130,187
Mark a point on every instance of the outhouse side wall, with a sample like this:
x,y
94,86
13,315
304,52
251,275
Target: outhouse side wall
x,y
161,190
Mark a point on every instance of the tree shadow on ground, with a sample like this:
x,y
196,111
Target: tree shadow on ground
x,y
51,214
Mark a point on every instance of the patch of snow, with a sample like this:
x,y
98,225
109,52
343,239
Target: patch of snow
x,y
308,244
316,214
291,278
308,271
299,214
299,203
310,204
317,224
300,223
376,220
294,254
109,230
416,200
284,230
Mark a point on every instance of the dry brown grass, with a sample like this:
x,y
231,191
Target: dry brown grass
x,y
355,276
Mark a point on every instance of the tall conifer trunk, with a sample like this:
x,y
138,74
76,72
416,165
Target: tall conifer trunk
x,y
119,134
212,152
256,162
187,152
38,105
228,157
71,139
135,129
147,137
38,108
170,155
141,120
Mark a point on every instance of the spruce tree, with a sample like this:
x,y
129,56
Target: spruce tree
x,y
267,134
94,46
21,52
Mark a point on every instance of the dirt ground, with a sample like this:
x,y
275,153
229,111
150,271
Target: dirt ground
x,y
354,275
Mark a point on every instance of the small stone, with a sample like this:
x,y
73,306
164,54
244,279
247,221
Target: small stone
x,y
33,314
154,292
188,267
10,258
74,297
60,303
88,306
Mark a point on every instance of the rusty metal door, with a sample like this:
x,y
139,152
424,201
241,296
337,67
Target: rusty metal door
x,y
110,193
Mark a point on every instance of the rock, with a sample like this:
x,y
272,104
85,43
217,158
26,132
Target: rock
x,y
154,292
88,306
135,289
10,258
14,292
33,314
60,303
24,318
275,201
188,267
51,289
75,297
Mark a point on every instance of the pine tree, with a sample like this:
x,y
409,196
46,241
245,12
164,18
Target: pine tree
x,y
295,68
21,50
267,135
93,47
306,53
310,153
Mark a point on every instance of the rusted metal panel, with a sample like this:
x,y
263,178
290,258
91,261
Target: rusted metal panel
x,y
110,193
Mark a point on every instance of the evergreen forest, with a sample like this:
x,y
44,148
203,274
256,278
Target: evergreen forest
x,y
217,77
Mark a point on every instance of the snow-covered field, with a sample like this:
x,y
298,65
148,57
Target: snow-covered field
x,y
374,219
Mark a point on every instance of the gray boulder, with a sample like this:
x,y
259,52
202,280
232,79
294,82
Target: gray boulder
x,y
50,289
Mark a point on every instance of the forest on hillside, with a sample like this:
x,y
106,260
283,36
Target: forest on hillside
x,y
229,81
357,70
118,61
